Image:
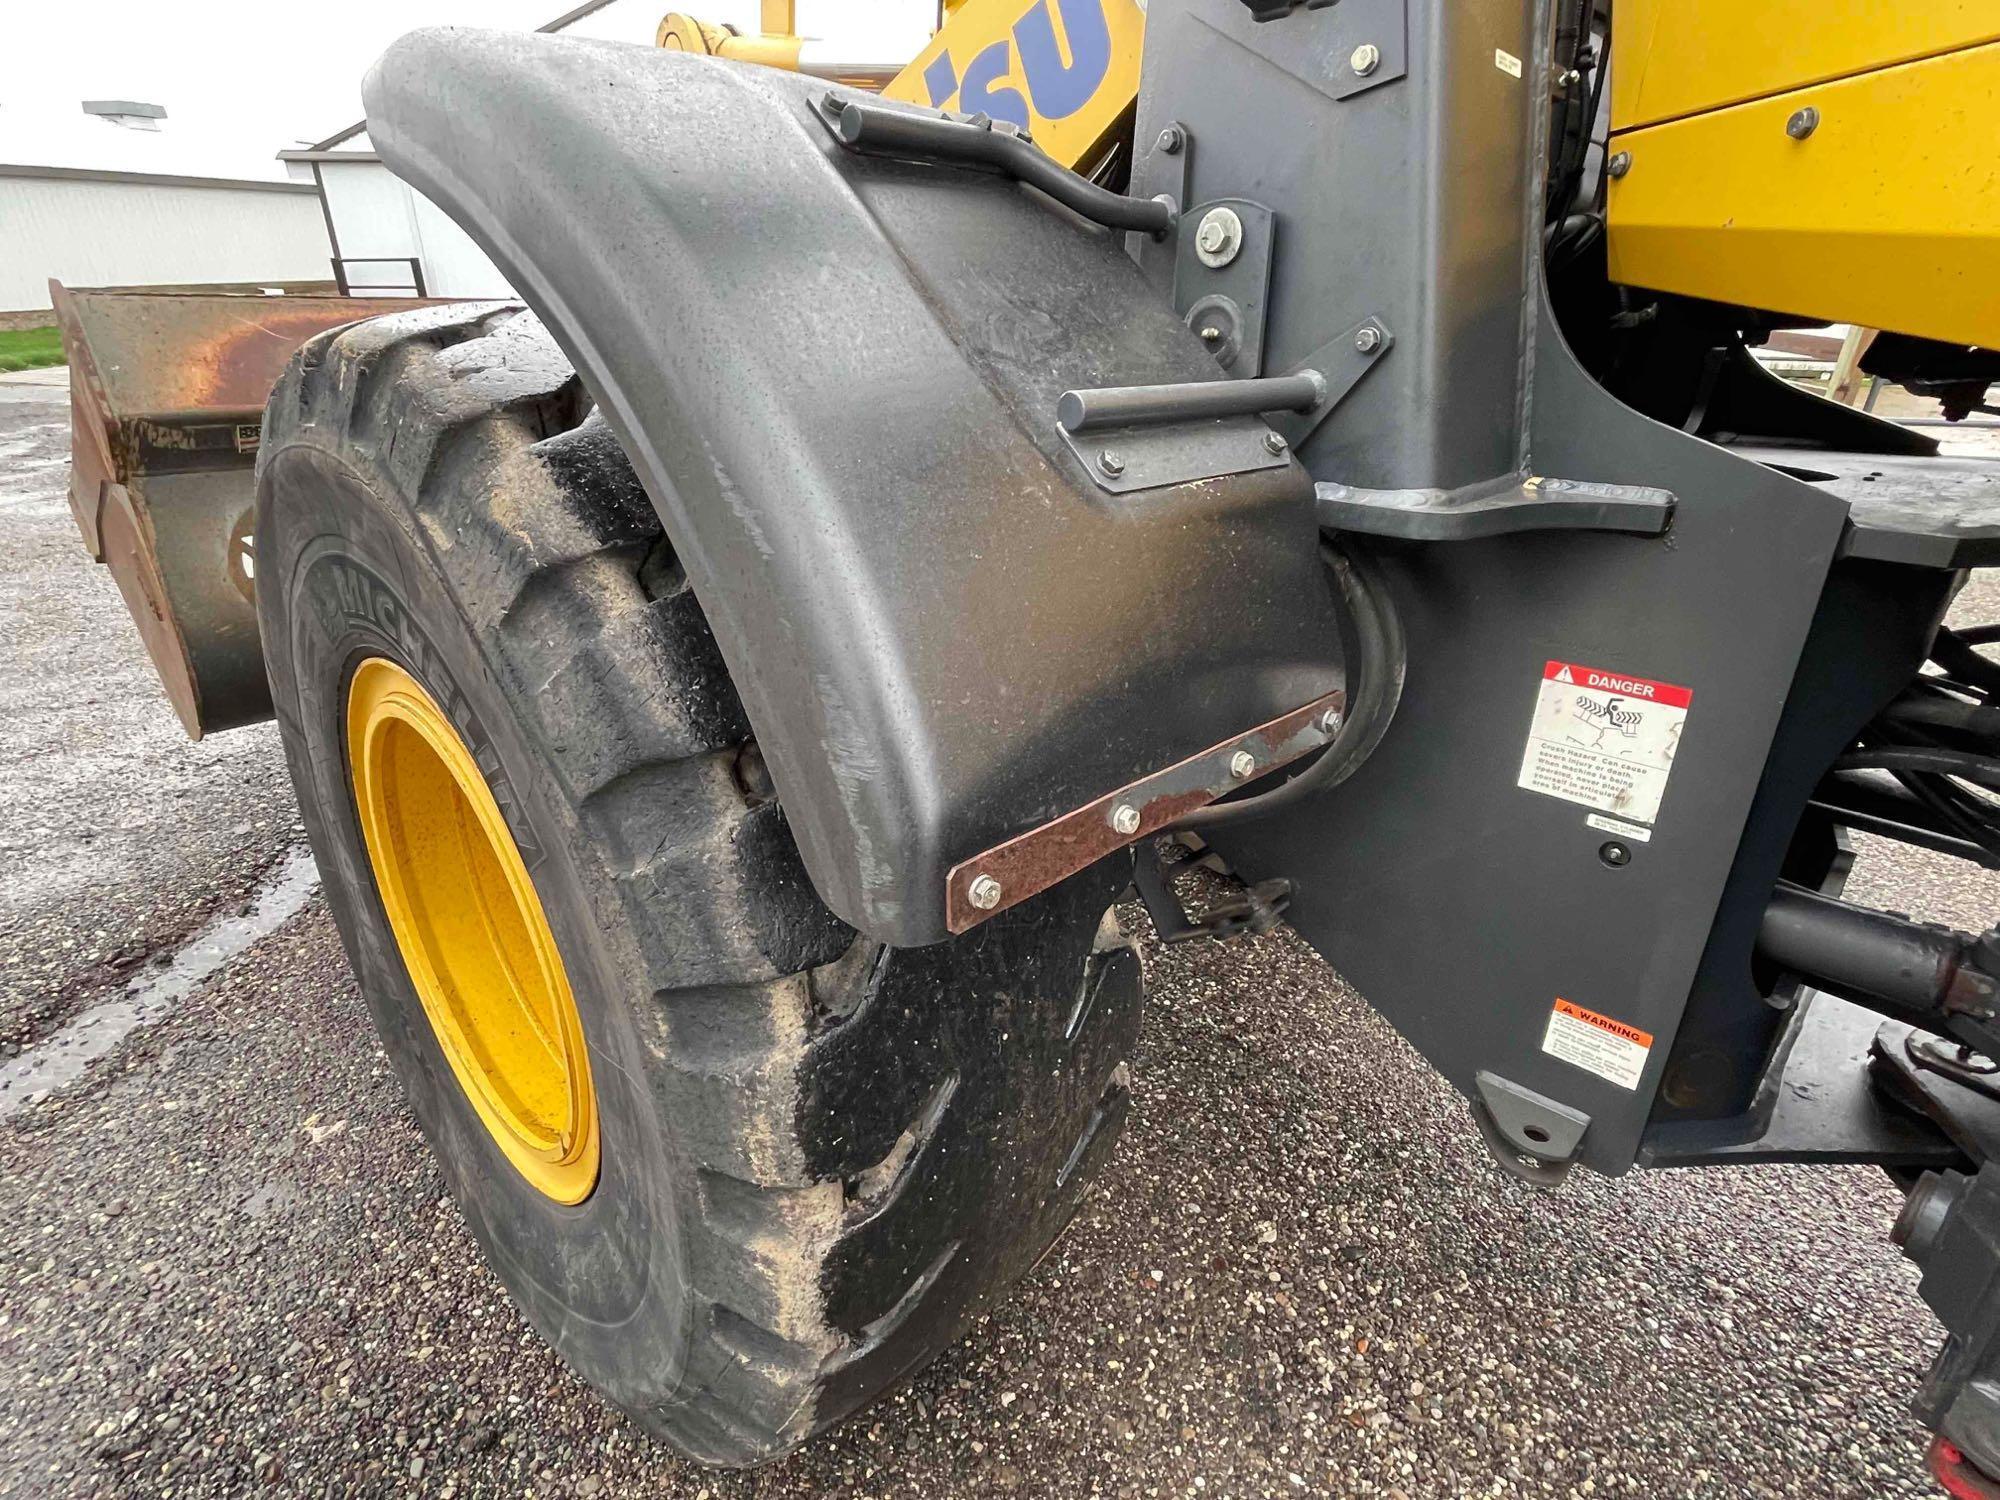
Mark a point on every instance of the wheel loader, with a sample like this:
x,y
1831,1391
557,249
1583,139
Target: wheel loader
x,y
732,689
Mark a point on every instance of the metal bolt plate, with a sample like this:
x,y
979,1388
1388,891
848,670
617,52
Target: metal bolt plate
x,y
1035,860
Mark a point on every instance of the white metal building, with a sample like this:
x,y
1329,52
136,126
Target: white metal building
x,y
88,227
388,239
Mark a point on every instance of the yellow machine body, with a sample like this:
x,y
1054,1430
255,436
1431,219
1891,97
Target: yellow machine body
x,y
1831,159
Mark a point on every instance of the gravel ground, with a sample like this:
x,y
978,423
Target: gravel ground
x,y
229,1263
117,837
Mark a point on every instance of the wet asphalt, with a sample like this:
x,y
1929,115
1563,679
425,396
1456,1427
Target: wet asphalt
x,y
228,1265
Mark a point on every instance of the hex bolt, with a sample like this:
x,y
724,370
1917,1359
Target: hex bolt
x,y
1241,764
1620,165
984,892
1125,818
1273,444
1210,334
1802,123
1615,854
1218,237
1368,340
1171,140
1111,461
1365,59
1330,721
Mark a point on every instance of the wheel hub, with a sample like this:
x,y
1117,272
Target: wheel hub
x,y
471,930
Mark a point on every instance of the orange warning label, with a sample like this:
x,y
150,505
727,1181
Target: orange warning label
x,y
1598,1044
1616,1028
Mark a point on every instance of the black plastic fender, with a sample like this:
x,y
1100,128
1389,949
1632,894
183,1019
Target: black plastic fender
x,y
837,377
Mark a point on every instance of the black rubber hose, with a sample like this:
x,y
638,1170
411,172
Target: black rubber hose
x,y
1942,712
1376,663
1940,762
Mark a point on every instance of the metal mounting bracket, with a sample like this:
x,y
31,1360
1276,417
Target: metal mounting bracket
x,y
1341,362
1123,459
1499,508
1225,303
1531,1135
1162,165
1140,437
1260,907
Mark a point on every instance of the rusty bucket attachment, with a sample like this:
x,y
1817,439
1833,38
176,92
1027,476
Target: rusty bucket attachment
x,y
167,396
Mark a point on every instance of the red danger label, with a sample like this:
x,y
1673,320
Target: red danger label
x,y
1663,693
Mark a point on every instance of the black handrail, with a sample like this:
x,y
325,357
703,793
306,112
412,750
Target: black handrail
x,y
878,130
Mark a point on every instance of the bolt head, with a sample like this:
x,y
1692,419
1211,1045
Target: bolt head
x,y
1171,140
1241,764
1218,237
1365,59
1802,123
1210,334
984,892
1620,164
1125,818
1330,721
1111,461
1615,854
1274,444
1368,340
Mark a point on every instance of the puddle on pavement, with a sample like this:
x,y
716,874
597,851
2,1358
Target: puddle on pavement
x,y
63,1058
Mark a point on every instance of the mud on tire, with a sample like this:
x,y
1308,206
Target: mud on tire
x,y
821,1156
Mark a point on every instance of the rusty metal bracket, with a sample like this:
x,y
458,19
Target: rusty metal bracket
x,y
1010,873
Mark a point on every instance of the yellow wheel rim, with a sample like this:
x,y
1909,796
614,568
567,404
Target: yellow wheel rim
x,y
471,930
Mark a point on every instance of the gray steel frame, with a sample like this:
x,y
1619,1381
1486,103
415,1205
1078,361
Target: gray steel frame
x,y
1461,904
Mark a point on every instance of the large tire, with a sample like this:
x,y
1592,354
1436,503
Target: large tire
x,y
820,1156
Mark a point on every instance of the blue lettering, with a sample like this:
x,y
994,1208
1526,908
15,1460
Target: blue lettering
x,y
977,94
1060,90
941,78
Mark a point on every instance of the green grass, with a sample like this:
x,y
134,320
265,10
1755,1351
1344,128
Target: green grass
x,y
30,349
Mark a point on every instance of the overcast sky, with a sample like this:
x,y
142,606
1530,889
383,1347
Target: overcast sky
x,y
242,80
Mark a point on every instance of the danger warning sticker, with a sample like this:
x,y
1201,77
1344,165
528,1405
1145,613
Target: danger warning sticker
x,y
1604,739
1597,1044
